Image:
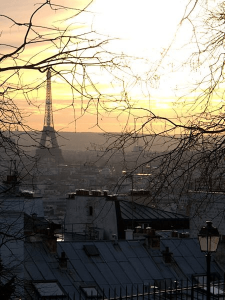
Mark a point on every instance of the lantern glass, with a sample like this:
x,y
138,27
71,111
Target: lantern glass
x,y
209,238
208,243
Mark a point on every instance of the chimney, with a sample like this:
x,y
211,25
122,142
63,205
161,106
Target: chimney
x,y
152,240
51,241
167,255
105,193
184,235
150,231
129,234
115,238
174,234
34,216
138,229
138,232
63,260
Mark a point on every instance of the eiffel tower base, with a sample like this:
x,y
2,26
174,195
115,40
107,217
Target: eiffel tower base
x,y
44,152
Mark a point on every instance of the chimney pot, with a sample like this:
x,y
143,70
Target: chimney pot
x,y
63,260
167,255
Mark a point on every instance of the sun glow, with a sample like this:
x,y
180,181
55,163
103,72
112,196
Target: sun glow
x,y
143,25
142,30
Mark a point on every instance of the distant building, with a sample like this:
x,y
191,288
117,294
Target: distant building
x,y
105,215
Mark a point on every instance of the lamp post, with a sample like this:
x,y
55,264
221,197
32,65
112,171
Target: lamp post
x,y
209,239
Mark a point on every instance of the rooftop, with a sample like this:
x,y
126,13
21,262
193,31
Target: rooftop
x,y
115,265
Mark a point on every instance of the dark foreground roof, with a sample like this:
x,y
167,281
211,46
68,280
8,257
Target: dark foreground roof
x,y
108,265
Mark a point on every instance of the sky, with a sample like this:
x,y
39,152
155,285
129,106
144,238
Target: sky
x,y
143,30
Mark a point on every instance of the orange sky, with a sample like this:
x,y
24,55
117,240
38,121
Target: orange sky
x,y
144,30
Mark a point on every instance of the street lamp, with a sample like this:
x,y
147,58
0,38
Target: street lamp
x,y
209,239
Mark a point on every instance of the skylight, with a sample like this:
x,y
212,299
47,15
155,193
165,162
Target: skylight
x,y
91,250
47,289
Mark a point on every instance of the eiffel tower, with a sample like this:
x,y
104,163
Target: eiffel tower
x,y
48,133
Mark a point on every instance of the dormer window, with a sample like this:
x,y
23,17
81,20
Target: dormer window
x,y
90,291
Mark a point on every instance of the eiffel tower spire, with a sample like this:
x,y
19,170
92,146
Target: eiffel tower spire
x,y
48,132
48,121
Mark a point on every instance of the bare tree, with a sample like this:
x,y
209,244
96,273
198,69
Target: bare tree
x,y
75,54
182,150
180,153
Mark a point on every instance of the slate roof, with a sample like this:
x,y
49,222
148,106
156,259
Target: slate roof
x,y
142,212
114,266
130,215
